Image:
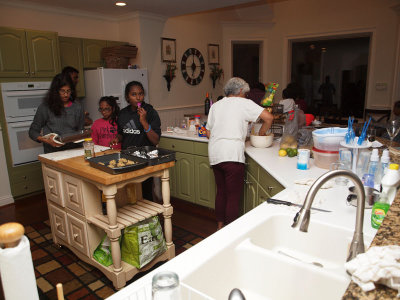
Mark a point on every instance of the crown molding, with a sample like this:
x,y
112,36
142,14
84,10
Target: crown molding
x,y
60,10
248,23
142,15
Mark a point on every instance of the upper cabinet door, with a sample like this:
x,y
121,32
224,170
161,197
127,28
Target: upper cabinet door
x,y
13,53
44,56
71,54
92,53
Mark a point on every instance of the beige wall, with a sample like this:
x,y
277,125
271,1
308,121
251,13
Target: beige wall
x,y
297,19
274,25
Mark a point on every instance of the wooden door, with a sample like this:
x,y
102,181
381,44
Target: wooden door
x,y
44,55
13,53
185,176
92,53
204,182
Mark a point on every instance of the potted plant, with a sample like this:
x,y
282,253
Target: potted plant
x,y
169,74
216,73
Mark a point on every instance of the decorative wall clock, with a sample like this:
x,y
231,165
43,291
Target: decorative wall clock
x,y
192,66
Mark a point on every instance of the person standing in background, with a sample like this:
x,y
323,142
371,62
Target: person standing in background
x,y
327,90
256,93
59,114
74,75
104,130
227,129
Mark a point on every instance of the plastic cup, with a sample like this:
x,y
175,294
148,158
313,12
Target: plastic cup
x,y
165,286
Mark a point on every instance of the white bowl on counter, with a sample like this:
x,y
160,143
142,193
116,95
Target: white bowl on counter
x,y
261,141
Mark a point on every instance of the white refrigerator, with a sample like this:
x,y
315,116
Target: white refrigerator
x,y
110,82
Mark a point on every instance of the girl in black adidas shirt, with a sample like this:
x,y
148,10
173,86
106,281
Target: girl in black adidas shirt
x,y
138,123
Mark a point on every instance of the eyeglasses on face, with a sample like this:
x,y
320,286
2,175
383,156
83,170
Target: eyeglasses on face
x,y
104,109
65,92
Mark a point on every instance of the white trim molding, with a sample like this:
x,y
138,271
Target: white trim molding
x,y
5,200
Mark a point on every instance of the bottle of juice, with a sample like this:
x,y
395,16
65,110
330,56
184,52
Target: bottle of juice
x,y
379,210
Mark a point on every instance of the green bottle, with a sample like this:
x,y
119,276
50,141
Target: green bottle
x,y
379,210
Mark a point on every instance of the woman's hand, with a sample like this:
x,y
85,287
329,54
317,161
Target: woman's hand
x,y
114,141
142,116
50,140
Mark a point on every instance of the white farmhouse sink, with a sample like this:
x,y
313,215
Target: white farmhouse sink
x,y
253,263
325,244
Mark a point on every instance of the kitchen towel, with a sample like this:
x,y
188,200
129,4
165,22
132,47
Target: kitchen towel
x,y
378,264
17,275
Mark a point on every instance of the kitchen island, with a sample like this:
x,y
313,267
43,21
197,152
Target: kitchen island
x,y
284,170
74,192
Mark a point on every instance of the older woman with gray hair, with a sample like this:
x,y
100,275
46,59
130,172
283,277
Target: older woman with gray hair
x,y
227,130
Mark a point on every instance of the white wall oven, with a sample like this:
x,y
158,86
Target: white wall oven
x,y
20,102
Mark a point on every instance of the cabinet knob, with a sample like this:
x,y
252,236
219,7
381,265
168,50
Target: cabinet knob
x,y
58,225
270,189
51,188
27,73
71,195
24,177
173,146
33,73
75,235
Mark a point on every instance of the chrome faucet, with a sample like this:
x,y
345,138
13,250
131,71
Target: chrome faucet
x,y
302,218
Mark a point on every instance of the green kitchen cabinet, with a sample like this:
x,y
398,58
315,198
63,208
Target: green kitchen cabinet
x,y
250,193
185,177
192,178
28,53
71,54
26,179
92,53
259,185
205,188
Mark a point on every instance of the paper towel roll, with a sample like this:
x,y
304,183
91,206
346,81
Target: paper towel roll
x,y
17,274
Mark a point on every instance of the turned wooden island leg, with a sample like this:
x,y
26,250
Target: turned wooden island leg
x,y
109,192
168,208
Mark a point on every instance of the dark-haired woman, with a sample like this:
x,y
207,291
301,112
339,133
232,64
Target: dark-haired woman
x,y
59,114
104,130
138,125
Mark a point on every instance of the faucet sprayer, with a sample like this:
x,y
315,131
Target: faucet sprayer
x,y
302,218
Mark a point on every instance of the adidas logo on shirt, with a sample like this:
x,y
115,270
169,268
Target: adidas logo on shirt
x,y
130,128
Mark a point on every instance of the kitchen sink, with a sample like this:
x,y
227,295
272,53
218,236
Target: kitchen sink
x,y
324,244
275,261
263,274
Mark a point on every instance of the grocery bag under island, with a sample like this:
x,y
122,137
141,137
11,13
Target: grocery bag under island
x,y
140,244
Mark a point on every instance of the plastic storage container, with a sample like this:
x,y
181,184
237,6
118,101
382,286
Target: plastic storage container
x,y
323,159
328,139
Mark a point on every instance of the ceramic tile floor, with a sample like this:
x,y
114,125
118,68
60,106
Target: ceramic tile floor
x,y
80,281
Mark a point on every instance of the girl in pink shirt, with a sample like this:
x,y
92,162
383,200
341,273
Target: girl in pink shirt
x,y
105,130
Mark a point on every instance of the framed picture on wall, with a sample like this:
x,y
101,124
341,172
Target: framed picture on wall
x,y
213,54
168,50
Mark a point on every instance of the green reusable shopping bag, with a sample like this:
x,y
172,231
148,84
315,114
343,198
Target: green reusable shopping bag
x,y
142,242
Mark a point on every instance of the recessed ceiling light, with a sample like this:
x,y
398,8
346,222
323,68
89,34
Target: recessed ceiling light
x,y
120,3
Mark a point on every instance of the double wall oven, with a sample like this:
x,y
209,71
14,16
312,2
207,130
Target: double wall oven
x,y
20,102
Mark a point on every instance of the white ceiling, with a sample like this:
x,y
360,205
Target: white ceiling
x,y
167,8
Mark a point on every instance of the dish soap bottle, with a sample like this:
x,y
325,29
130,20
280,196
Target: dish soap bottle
x,y
207,105
391,181
379,210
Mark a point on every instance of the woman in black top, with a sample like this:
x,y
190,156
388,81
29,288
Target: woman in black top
x,y
59,114
138,125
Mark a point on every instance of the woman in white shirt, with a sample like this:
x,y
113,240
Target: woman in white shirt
x,y
227,129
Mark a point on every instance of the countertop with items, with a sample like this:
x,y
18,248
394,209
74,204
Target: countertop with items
x,y
297,182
